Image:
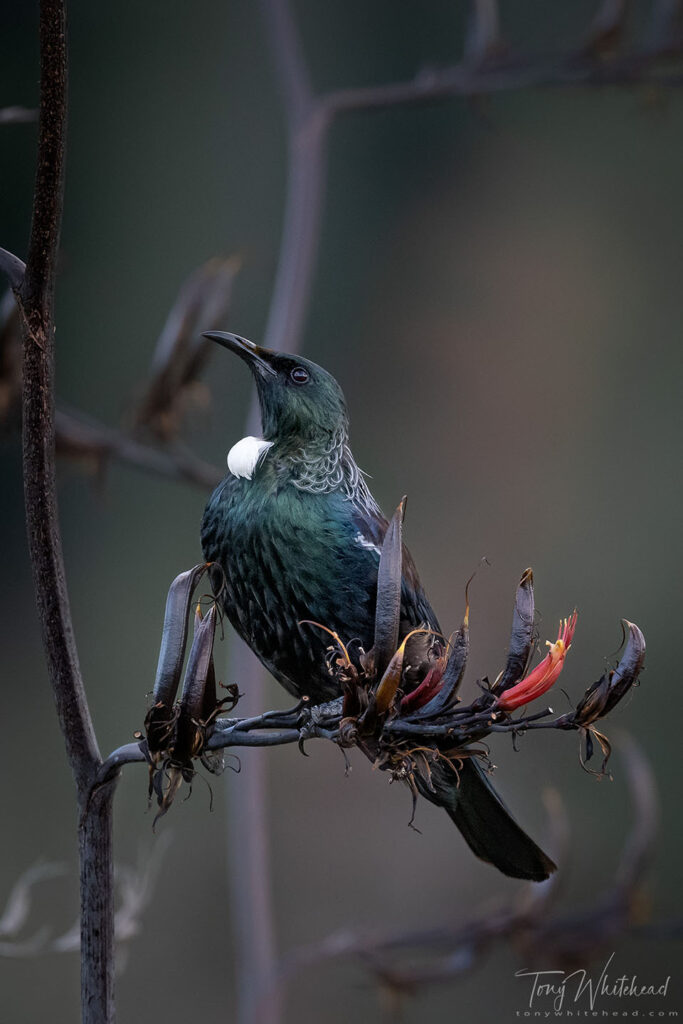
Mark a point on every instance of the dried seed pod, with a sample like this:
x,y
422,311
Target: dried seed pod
x,y
174,635
189,738
600,698
521,636
210,702
629,668
389,577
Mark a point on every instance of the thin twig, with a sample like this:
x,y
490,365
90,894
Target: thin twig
x,y
78,437
510,74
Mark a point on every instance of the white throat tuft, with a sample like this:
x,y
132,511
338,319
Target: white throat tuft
x,y
244,457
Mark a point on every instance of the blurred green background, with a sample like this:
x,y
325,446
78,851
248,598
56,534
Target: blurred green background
x,y
498,291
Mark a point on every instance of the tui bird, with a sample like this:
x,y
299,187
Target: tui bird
x,y
298,535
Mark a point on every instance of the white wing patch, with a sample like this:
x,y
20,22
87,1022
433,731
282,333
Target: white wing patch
x,y
244,457
365,543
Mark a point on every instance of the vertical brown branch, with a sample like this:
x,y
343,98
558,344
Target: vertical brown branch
x,y
38,287
36,301
98,952
35,297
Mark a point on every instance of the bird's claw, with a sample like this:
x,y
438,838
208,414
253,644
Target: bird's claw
x,y
318,721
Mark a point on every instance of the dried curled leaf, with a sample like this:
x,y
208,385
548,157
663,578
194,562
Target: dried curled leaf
x,y
606,748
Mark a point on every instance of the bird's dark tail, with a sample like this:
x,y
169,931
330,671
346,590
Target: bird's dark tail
x,y
485,822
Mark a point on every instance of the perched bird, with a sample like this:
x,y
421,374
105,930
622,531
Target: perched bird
x,y
298,535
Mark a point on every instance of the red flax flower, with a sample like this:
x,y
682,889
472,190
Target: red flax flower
x,y
544,675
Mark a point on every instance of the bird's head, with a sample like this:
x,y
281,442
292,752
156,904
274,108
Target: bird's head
x,y
298,398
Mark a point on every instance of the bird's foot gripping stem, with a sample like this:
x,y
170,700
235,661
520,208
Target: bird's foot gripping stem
x,y
320,721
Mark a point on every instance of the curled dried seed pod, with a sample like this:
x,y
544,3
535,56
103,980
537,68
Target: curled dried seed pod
x,y
629,668
174,635
211,705
389,577
521,636
210,702
188,737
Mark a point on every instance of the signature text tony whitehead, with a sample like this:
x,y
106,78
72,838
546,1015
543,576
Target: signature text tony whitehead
x,y
560,987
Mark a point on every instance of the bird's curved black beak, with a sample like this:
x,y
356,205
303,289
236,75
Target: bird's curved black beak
x,y
256,357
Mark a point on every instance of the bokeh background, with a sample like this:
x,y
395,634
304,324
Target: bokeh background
x,y
498,290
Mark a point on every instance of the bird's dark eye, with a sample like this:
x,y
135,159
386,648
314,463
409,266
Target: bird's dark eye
x,y
299,375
